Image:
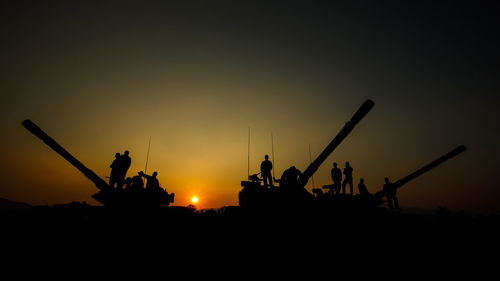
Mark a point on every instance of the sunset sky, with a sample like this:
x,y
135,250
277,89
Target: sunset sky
x,y
102,77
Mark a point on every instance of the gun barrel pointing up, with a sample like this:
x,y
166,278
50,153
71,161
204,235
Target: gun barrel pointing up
x,y
313,167
34,129
399,183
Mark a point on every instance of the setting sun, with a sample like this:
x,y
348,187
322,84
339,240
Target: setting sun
x,y
194,199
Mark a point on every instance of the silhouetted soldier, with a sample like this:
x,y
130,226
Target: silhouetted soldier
x,y
336,178
290,177
363,191
152,182
265,170
124,165
137,183
390,194
114,177
128,183
347,178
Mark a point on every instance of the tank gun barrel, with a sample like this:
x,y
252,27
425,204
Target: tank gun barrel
x,y
349,126
399,183
34,129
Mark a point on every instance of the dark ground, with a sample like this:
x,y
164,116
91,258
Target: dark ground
x,y
81,234
80,220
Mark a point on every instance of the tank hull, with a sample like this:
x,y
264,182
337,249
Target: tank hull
x,y
134,199
256,196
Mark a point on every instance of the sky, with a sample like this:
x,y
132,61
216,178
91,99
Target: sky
x,y
102,77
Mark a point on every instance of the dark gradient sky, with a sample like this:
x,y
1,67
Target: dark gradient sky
x,y
103,76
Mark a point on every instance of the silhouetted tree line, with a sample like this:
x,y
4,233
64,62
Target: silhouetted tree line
x,y
186,219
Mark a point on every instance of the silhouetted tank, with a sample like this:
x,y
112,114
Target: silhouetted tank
x,y
255,195
106,195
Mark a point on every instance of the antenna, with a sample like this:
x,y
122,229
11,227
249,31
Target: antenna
x,y
248,170
310,159
272,150
147,156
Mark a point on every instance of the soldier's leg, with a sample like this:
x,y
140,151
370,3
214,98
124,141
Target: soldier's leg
x,y
112,181
120,182
389,203
396,203
343,186
350,186
264,178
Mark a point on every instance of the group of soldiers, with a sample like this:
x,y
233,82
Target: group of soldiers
x,y
336,174
389,189
119,169
291,175
289,178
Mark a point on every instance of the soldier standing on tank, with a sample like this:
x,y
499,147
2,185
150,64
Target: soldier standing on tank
x,y
115,171
336,178
265,170
347,178
124,164
390,194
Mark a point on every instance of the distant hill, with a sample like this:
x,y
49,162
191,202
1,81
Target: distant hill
x,y
11,205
